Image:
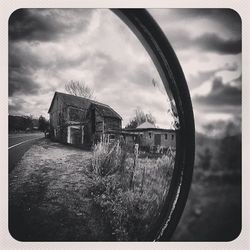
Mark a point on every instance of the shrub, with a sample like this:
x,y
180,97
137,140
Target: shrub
x,y
128,209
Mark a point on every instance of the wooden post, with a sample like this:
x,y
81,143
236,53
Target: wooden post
x,y
143,177
136,147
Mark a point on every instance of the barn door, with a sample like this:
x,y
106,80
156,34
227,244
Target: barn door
x,y
75,135
157,139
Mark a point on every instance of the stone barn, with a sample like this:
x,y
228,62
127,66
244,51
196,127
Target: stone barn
x,y
149,137
80,121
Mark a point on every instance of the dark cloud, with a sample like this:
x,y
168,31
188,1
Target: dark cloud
x,y
203,76
228,41
207,42
22,84
227,18
35,26
213,43
23,25
21,57
21,69
46,24
221,14
24,64
222,96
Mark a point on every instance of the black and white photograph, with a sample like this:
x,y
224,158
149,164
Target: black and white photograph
x,y
124,125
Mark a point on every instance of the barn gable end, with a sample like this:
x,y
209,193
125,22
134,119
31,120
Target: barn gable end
x,y
80,121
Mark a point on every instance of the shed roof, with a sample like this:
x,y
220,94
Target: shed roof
x,y
84,103
146,124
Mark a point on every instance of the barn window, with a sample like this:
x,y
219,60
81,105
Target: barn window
x,y
75,114
172,137
166,136
149,135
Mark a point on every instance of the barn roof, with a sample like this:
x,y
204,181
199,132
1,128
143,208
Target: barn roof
x,y
84,103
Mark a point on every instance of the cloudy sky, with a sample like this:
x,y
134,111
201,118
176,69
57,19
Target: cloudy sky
x,y
49,47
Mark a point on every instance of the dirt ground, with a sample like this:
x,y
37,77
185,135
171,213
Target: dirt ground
x,y
47,200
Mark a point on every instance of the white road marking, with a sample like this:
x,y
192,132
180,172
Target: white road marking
x,y
23,135
23,142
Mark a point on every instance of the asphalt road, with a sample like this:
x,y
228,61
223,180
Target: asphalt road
x,y
19,144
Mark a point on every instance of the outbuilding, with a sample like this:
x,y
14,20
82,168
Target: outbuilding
x,y
148,136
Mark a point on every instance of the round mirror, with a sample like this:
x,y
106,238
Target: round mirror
x,y
101,142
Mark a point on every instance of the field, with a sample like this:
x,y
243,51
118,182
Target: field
x,y
59,193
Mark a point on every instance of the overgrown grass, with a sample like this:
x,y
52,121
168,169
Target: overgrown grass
x,y
128,190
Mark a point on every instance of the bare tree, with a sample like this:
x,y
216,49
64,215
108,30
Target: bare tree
x,y
79,89
140,117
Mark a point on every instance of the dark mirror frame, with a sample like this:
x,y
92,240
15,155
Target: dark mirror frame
x,y
168,66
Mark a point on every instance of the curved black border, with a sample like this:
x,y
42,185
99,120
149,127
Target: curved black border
x,y
168,66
